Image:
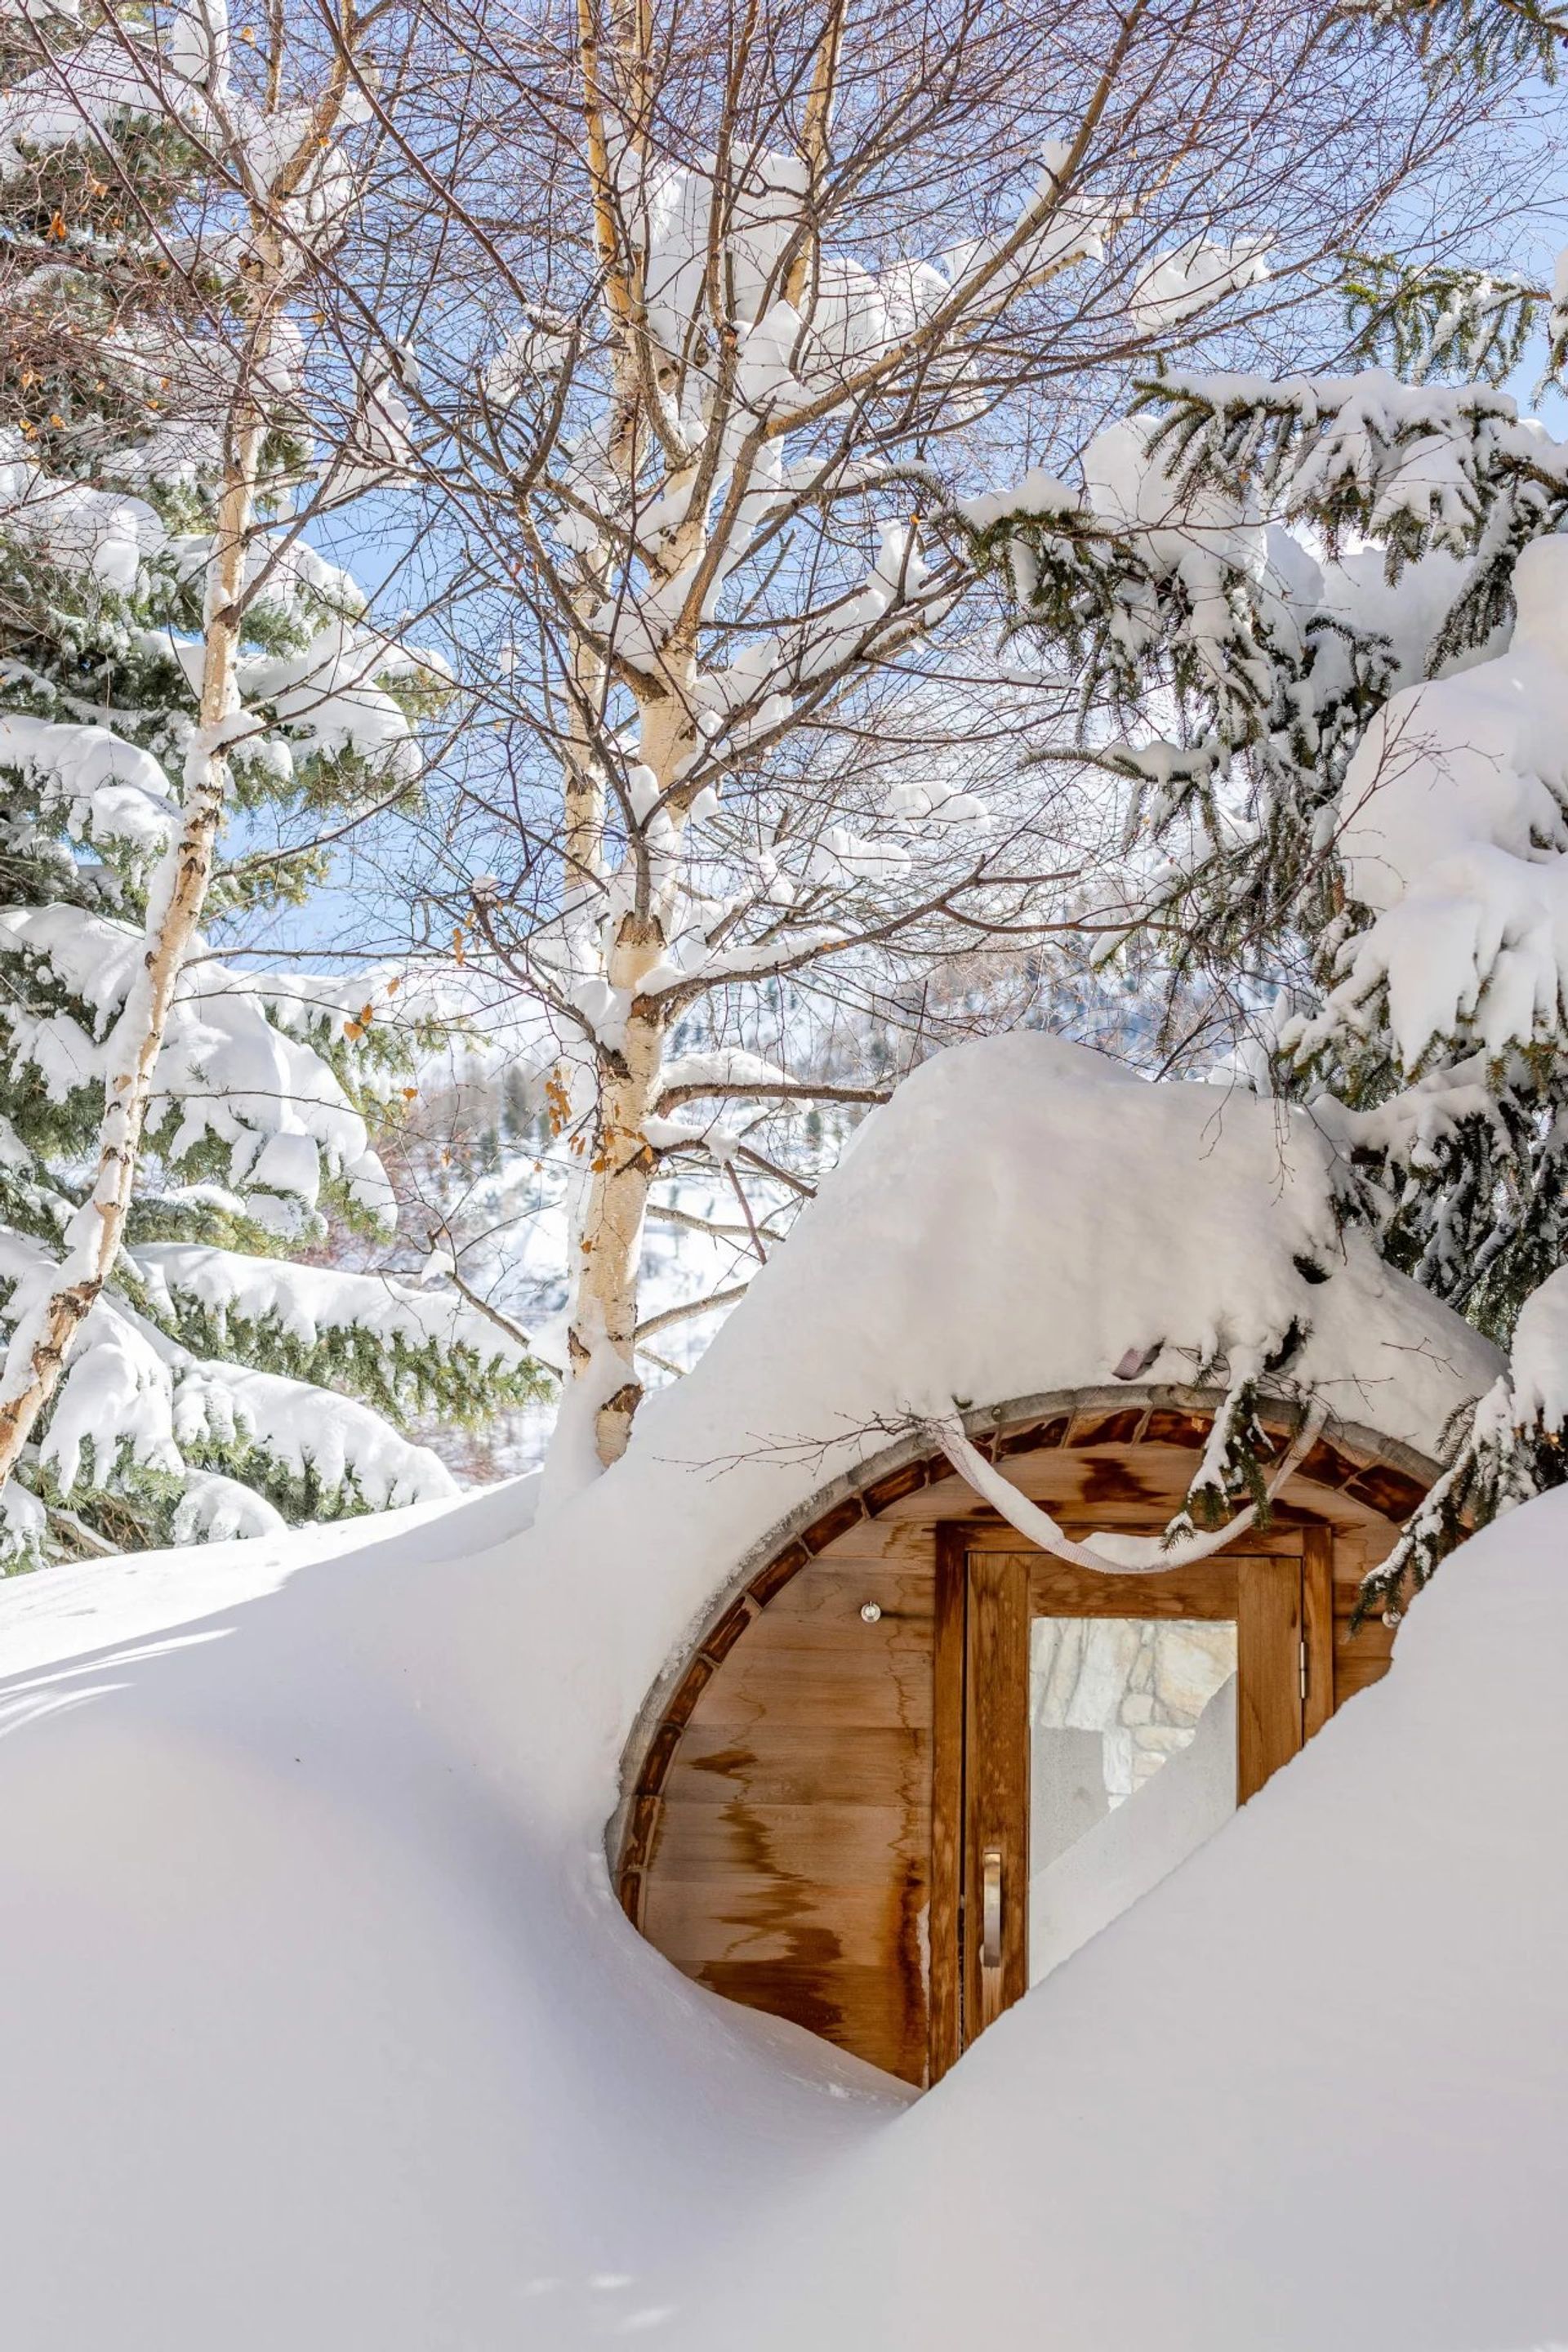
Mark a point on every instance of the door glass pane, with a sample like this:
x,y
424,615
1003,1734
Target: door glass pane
x,y
1133,1764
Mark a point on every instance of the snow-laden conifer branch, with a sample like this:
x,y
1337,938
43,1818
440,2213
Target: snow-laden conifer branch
x,y
1411,466
1362,792
1481,38
1506,1449
1439,319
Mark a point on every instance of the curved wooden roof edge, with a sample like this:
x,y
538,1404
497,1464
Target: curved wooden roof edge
x,y
1346,1452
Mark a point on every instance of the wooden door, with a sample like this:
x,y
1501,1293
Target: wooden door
x,y
995,1832
990,1588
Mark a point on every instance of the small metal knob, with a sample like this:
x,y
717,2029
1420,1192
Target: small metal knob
x,y
869,1612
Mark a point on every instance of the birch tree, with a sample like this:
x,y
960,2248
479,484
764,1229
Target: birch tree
x,y
743,309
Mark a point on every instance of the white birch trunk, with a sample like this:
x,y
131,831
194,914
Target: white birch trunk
x,y
607,1243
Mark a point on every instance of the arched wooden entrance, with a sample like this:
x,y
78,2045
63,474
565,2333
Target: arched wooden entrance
x,y
792,1834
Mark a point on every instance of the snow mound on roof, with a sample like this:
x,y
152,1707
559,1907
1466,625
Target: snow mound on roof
x,y
1024,1216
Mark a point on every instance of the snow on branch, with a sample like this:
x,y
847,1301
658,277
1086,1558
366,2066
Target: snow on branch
x,y
1409,465
308,1307
1451,832
1506,1450
225,1075
1435,319
135,1413
105,790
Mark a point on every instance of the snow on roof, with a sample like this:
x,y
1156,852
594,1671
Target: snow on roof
x,y
1026,1216
335,2035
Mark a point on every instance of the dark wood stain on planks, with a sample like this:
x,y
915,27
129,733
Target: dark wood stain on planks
x,y
773,1913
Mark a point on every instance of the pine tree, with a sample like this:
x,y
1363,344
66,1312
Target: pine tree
x,y
1363,804
219,1385
1483,37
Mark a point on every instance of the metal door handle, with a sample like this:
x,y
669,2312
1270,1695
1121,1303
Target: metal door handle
x,y
991,1907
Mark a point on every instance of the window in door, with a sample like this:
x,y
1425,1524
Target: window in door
x,y
1092,1730
1132,1764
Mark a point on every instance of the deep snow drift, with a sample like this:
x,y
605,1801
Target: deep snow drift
x,y
324,2029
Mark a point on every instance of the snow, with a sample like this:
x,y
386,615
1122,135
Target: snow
x,y
241,1080
91,93
428,1984
852,314
1407,612
129,1391
1134,1846
108,789
72,525
109,80
307,1301
1062,1259
1237,580
1538,1361
213,1508
1423,452
1039,493
1308,2093
335,2034
1276,640
1054,229
329,699
345,1446
225,1071
1059,1254
1175,285
117,1395
1452,830
797,360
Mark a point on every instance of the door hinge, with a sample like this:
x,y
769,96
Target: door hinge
x,y
1302,1648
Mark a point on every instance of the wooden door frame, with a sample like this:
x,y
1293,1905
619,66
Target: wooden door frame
x,y
1274,1612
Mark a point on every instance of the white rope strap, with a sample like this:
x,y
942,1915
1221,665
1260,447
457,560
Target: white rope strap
x,y
1112,1555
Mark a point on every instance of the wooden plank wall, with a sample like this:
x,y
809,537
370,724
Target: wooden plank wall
x,y
779,1842
792,1870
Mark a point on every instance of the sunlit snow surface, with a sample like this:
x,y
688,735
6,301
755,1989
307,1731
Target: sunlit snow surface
x,y
334,2035
323,2029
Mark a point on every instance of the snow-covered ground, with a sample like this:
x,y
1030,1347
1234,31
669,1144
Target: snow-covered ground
x,y
326,2031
